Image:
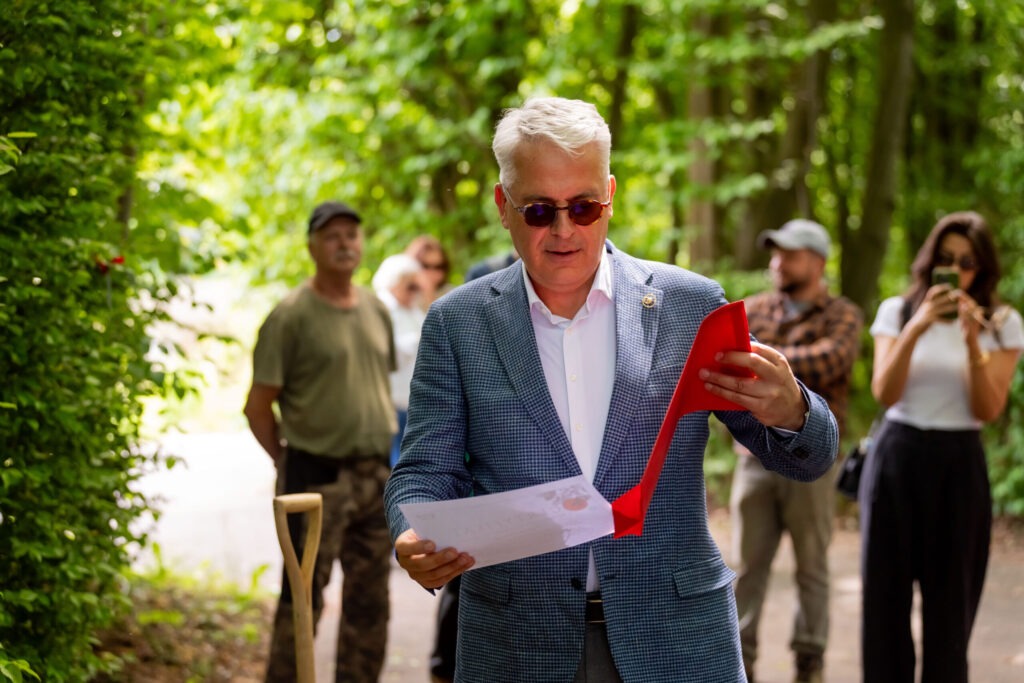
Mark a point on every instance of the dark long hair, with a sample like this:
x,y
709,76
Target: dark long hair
x,y
972,226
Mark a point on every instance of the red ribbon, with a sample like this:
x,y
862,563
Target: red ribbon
x,y
724,329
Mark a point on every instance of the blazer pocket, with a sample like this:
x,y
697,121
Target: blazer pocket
x,y
662,382
489,585
702,577
667,374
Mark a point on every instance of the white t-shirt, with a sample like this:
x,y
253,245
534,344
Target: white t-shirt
x,y
935,395
407,324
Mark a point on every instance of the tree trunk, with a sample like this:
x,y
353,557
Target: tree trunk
x,y
863,256
787,195
840,155
700,214
759,158
670,112
629,25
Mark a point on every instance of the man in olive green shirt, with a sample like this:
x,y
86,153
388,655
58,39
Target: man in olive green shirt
x,y
324,355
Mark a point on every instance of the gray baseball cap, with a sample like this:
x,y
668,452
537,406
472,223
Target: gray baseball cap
x,y
328,211
799,233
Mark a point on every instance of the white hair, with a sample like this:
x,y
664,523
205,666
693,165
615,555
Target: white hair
x,y
392,270
570,124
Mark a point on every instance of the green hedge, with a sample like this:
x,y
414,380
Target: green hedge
x,y
72,353
74,315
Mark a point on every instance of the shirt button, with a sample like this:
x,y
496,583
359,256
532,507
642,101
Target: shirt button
x,y
579,427
572,377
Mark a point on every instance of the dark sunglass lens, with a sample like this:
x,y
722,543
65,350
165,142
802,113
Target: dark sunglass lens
x,y
944,260
539,215
968,263
585,212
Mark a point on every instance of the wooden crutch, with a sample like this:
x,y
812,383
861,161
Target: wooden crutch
x,y
300,578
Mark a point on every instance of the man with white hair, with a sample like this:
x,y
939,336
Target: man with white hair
x,y
565,367
820,336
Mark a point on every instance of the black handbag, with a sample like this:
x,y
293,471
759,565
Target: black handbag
x,y
848,481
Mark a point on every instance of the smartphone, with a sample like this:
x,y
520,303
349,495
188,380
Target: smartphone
x,y
948,276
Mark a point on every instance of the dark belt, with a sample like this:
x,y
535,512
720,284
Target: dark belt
x,y
594,613
347,461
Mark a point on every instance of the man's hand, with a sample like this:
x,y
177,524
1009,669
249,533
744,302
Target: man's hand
x,y
772,395
424,565
259,410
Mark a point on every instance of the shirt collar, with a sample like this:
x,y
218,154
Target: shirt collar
x,y
600,288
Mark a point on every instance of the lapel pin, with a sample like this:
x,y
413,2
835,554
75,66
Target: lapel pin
x,y
648,301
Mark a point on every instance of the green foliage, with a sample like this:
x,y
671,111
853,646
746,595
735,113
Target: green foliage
x,y
15,670
391,105
739,284
1005,448
73,358
75,308
9,152
1005,437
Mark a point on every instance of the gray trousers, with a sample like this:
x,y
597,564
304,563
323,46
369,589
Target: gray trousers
x,y
597,665
763,506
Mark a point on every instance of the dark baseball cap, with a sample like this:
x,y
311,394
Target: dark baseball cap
x,y
328,211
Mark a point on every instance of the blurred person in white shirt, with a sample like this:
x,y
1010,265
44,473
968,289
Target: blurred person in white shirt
x,y
397,285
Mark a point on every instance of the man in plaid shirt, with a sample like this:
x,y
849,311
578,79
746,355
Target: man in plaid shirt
x,y
820,336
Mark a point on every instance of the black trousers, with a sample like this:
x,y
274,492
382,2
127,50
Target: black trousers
x,y
442,659
926,517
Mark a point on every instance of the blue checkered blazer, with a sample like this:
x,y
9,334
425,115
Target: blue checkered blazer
x,y
479,389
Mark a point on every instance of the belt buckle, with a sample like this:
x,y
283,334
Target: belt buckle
x,y
594,611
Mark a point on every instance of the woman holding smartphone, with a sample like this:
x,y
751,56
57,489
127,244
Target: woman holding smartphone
x,y
945,355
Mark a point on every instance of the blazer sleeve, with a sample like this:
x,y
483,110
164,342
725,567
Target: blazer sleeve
x,y
432,466
803,456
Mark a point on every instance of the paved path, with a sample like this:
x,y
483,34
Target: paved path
x,y
217,520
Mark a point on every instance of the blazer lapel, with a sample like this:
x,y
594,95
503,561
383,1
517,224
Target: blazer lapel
x,y
508,319
637,310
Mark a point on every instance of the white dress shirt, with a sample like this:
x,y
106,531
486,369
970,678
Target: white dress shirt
x,y
578,357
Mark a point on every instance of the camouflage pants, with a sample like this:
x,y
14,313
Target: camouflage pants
x,y
354,532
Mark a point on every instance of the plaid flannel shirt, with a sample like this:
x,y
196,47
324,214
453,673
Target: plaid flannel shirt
x,y
820,343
